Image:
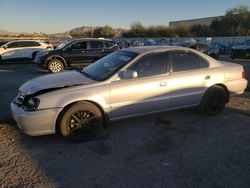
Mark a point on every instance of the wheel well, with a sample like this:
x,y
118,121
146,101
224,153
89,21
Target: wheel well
x,y
224,87
55,57
105,115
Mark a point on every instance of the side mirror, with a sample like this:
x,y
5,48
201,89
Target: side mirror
x,y
5,47
128,74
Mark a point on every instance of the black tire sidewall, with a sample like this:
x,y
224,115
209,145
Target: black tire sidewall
x,y
63,120
205,105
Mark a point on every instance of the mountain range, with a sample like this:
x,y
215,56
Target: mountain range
x,y
82,29
4,32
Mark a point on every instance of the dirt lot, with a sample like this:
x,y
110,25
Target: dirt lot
x,y
174,149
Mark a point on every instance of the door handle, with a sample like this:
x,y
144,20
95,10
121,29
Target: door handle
x,y
84,51
163,84
207,77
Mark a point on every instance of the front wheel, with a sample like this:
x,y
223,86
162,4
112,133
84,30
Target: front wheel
x,y
55,66
214,100
81,122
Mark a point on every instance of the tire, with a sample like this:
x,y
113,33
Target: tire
x,y
214,100
81,122
55,65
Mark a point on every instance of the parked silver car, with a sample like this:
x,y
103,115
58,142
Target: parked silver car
x,y
126,83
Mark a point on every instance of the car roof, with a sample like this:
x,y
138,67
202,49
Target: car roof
x,y
91,39
145,49
24,40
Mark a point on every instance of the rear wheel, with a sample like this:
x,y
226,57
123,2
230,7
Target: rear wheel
x,y
81,122
55,66
214,100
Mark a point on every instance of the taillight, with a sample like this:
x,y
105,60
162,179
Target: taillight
x,y
243,74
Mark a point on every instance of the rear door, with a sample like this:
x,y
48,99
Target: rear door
x,y
189,78
96,50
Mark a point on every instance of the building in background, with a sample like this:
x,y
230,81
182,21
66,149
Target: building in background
x,y
203,21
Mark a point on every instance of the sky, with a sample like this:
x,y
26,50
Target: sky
x,y
55,16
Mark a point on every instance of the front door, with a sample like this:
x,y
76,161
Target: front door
x,y
147,93
77,53
188,79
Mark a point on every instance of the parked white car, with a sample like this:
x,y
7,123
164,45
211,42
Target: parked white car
x,y
126,83
22,49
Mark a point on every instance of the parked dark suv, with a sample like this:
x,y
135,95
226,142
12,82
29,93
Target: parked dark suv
x,y
75,53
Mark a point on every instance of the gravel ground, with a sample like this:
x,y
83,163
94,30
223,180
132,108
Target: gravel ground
x,y
175,149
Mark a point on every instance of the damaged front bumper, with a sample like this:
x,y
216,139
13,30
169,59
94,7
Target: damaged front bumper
x,y
40,122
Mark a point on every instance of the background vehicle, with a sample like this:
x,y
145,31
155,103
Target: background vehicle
x,y
204,48
2,42
126,83
242,51
22,49
75,53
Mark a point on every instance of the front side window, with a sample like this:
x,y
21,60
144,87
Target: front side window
x,y
150,65
79,46
13,45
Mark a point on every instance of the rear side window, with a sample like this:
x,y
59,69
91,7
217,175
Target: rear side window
x,y
184,61
203,63
34,43
96,44
79,45
29,44
150,65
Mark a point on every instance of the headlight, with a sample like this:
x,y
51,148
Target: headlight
x,y
31,104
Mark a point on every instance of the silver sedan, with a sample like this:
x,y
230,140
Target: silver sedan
x,y
129,82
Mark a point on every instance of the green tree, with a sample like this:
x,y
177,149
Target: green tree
x,y
74,33
183,31
137,29
236,22
105,31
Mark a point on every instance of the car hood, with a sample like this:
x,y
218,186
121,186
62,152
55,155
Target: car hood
x,y
241,47
43,84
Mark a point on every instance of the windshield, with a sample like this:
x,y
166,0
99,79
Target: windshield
x,y
108,65
60,46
